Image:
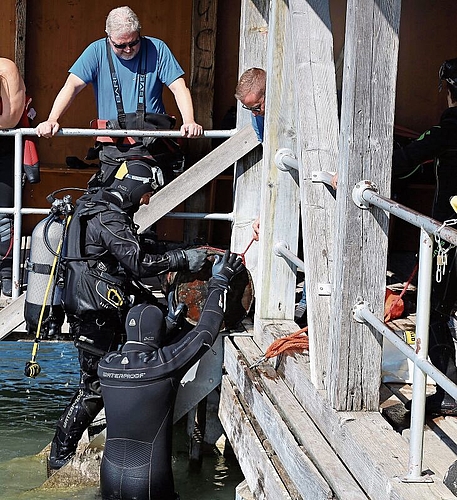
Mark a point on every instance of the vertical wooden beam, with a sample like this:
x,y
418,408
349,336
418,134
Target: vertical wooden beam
x,y
317,150
246,204
19,43
279,190
369,78
204,27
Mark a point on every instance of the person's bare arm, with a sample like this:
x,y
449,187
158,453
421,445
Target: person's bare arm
x,y
65,97
12,93
189,128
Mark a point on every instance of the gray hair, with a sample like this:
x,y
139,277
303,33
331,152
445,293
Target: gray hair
x,y
121,21
253,80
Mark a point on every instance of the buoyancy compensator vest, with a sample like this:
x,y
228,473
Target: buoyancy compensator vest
x,y
89,290
43,310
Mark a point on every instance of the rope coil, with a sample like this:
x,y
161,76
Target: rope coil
x,y
295,342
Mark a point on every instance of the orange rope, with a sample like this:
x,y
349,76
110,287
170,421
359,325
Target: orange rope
x,y
294,342
394,303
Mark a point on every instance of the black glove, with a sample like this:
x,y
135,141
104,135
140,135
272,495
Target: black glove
x,y
177,260
186,260
175,317
196,258
226,267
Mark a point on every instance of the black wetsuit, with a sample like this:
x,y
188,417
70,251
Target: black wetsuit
x,y
438,144
106,234
6,200
139,386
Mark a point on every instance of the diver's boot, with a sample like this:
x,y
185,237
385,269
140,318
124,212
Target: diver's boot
x,y
74,421
6,276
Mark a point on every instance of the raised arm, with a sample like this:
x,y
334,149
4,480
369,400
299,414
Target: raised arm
x,y
183,99
65,97
12,93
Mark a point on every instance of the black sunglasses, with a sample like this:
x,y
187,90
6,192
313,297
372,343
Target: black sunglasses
x,y
122,46
254,109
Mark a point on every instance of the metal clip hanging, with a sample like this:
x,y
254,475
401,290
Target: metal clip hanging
x,y
441,251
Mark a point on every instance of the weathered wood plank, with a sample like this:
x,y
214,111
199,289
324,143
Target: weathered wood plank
x,y
291,432
370,66
242,492
376,455
197,176
12,316
246,203
19,42
203,49
317,149
260,475
280,197
440,433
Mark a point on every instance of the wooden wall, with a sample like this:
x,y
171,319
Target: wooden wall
x,y
427,38
57,33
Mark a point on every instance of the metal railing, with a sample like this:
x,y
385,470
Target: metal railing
x,y
18,211
365,195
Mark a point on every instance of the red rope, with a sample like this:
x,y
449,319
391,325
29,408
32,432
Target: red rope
x,y
242,255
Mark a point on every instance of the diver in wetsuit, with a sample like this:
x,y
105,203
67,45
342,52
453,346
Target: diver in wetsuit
x,y
139,387
104,255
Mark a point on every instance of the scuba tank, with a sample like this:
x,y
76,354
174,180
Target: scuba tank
x,y
43,309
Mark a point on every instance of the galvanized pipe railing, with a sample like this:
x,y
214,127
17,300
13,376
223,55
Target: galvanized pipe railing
x,y
365,195
281,249
18,210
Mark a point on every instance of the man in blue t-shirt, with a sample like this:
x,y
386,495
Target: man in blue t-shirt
x,y
139,68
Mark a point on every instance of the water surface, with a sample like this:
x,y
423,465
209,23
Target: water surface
x,y
29,409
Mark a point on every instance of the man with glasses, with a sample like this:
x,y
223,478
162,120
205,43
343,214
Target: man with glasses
x,y
250,91
128,72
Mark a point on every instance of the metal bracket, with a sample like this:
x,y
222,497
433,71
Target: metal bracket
x,y
324,289
321,176
424,478
357,309
282,163
277,248
359,189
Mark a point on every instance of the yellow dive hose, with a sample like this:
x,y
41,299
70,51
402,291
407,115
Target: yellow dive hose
x,y
32,368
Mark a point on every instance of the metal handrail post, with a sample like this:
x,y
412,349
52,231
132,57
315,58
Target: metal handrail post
x,y
424,288
281,249
17,217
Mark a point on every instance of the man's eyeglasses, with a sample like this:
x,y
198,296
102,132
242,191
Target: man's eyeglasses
x,y
253,109
122,46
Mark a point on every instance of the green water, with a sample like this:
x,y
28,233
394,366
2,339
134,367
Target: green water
x,y
29,409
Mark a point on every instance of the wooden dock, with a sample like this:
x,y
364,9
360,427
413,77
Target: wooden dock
x,y
291,444
320,424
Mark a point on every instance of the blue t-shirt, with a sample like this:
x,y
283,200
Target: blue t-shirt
x,y
258,125
92,66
